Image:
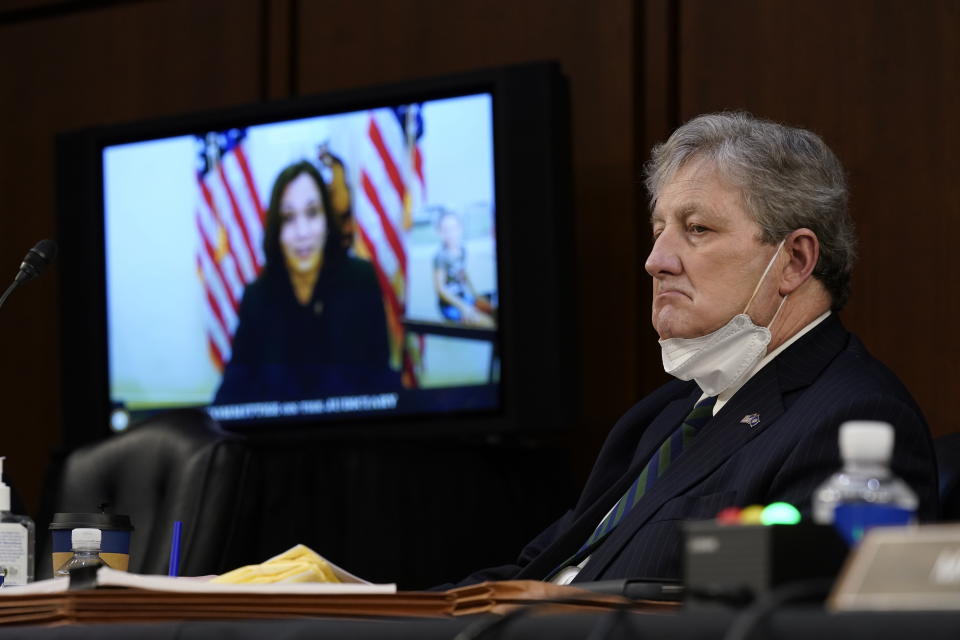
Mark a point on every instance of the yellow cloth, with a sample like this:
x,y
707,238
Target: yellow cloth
x,y
298,564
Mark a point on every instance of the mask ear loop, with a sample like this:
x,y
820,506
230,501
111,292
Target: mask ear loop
x,y
774,318
762,277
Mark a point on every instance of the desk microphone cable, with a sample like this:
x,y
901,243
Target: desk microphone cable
x,y
747,621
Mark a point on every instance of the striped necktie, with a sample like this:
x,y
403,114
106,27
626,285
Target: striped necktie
x,y
669,450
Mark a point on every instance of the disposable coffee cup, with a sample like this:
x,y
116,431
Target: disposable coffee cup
x,y
115,533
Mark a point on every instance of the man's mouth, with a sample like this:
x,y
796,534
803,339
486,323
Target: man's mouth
x,y
669,293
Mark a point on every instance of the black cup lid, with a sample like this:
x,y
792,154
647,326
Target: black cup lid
x,y
90,521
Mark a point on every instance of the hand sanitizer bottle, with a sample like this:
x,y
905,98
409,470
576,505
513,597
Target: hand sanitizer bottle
x,y
16,540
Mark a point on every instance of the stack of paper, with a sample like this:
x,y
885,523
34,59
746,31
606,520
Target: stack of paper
x,y
125,597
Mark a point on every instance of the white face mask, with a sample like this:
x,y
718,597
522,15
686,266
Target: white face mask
x,y
718,360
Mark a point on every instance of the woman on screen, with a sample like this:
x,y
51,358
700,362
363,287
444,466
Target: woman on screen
x,y
312,325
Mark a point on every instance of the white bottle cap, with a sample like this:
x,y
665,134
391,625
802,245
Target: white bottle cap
x,y
87,539
866,441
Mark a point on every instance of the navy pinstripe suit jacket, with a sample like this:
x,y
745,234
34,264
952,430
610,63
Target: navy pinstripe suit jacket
x,y
801,397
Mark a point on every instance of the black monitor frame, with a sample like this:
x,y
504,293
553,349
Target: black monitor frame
x,y
534,241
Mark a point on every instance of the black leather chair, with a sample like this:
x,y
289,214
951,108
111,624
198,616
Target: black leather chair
x,y
947,448
175,466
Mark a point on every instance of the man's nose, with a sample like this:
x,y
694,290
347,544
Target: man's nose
x,y
664,258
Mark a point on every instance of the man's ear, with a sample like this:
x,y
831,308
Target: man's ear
x,y
803,249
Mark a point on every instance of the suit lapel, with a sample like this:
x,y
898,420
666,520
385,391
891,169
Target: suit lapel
x,y
663,425
659,430
720,438
751,411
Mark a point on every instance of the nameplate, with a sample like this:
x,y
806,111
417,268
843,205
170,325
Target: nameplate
x,y
902,568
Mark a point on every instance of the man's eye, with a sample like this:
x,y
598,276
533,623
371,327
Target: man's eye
x,y
697,229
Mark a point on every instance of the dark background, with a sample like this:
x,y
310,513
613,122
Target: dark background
x,y
877,78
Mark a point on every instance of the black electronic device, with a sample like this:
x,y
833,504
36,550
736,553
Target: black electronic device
x,y
734,565
651,589
169,227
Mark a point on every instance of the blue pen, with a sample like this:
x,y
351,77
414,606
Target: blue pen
x,y
175,549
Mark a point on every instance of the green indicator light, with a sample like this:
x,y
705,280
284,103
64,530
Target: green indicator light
x,y
780,513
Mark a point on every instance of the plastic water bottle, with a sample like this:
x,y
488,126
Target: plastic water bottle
x,y
86,551
865,493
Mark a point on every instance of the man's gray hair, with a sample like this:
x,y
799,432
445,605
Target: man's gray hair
x,y
788,177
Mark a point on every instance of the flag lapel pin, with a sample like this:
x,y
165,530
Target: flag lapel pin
x,y
751,419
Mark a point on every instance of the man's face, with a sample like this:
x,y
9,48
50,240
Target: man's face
x,y
707,256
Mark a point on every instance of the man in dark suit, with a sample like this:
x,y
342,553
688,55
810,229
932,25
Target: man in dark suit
x,y
751,260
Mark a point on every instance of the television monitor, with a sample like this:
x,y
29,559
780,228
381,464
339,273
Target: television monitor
x,y
390,258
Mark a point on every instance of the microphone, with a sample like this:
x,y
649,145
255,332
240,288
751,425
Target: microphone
x,y
36,260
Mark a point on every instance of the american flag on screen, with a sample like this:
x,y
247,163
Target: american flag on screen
x,y
391,185
230,218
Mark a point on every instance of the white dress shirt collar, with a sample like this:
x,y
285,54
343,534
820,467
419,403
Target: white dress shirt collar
x,y
724,397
